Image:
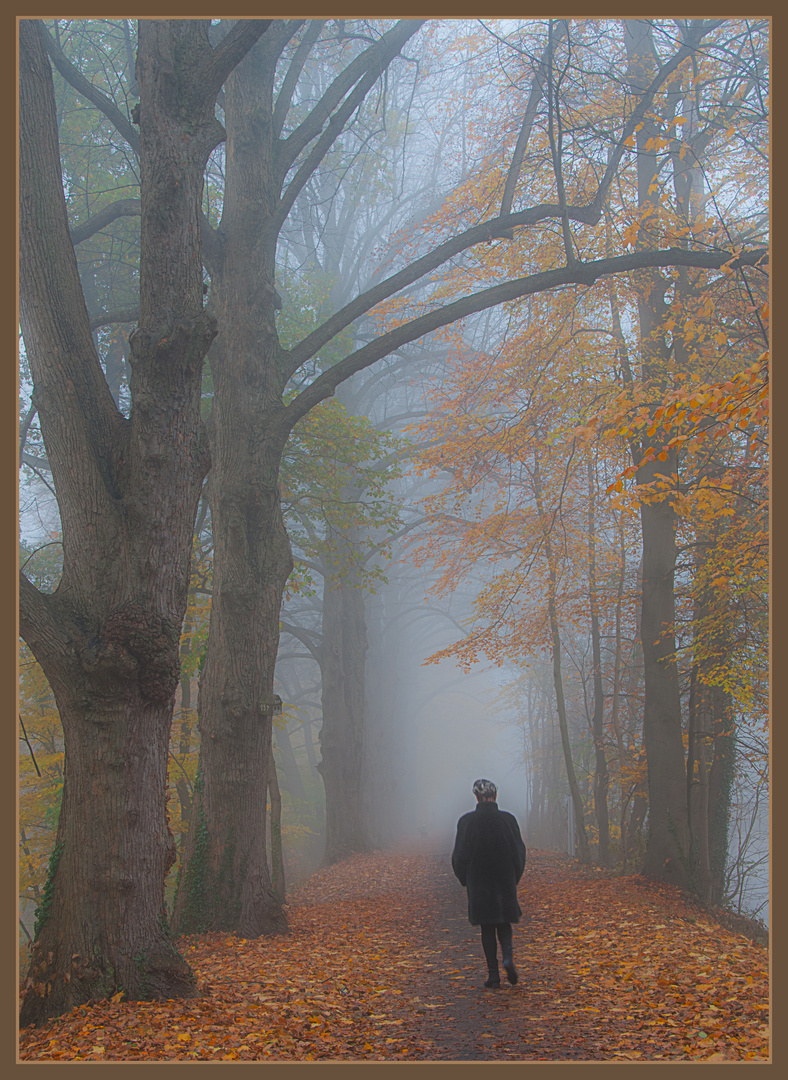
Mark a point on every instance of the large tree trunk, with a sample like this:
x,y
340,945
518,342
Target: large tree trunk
x,y
108,638
342,661
226,882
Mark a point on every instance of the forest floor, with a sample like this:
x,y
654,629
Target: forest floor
x,y
381,964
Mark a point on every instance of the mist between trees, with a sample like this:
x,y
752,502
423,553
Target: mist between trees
x,y
394,408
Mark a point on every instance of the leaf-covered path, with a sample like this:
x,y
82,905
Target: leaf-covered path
x,y
381,964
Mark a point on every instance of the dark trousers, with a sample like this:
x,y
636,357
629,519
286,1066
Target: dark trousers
x,y
504,932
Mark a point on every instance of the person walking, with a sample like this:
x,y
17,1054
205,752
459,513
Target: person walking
x,y
488,860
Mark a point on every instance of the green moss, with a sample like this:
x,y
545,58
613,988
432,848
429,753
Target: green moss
x,y
141,964
43,909
210,901
194,880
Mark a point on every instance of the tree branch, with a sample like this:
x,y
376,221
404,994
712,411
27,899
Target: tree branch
x,y
381,52
39,624
230,51
642,107
111,318
63,360
119,208
34,462
477,234
307,639
285,95
24,427
579,273
336,125
535,96
77,80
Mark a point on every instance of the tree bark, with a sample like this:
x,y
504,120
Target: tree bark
x,y
711,736
667,852
127,490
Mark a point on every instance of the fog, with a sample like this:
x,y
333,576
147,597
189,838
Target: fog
x,y
430,729
459,736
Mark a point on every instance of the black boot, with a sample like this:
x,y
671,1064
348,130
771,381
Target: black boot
x,y
510,969
494,977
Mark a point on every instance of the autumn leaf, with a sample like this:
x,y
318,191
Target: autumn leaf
x,y
671,983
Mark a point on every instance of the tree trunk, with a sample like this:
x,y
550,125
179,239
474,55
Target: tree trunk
x,y
699,755
667,851
127,490
226,882
277,855
721,776
342,661
293,781
558,682
709,751
601,778
309,745
182,786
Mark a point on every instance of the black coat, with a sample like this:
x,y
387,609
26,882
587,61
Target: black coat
x,y
489,859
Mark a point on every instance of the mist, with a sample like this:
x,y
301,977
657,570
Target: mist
x,y
443,500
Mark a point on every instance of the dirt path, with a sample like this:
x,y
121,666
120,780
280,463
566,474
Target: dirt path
x,y
474,1024
381,964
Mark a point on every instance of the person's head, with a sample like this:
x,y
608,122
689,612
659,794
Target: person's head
x,y
485,791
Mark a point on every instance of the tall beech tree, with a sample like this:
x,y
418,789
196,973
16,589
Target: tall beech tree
x,y
108,637
127,488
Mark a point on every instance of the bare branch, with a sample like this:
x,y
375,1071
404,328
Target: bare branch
x,y
24,427
374,57
77,80
119,208
229,53
112,318
493,229
336,126
285,95
535,96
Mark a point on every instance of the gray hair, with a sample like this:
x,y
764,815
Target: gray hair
x,y
485,789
